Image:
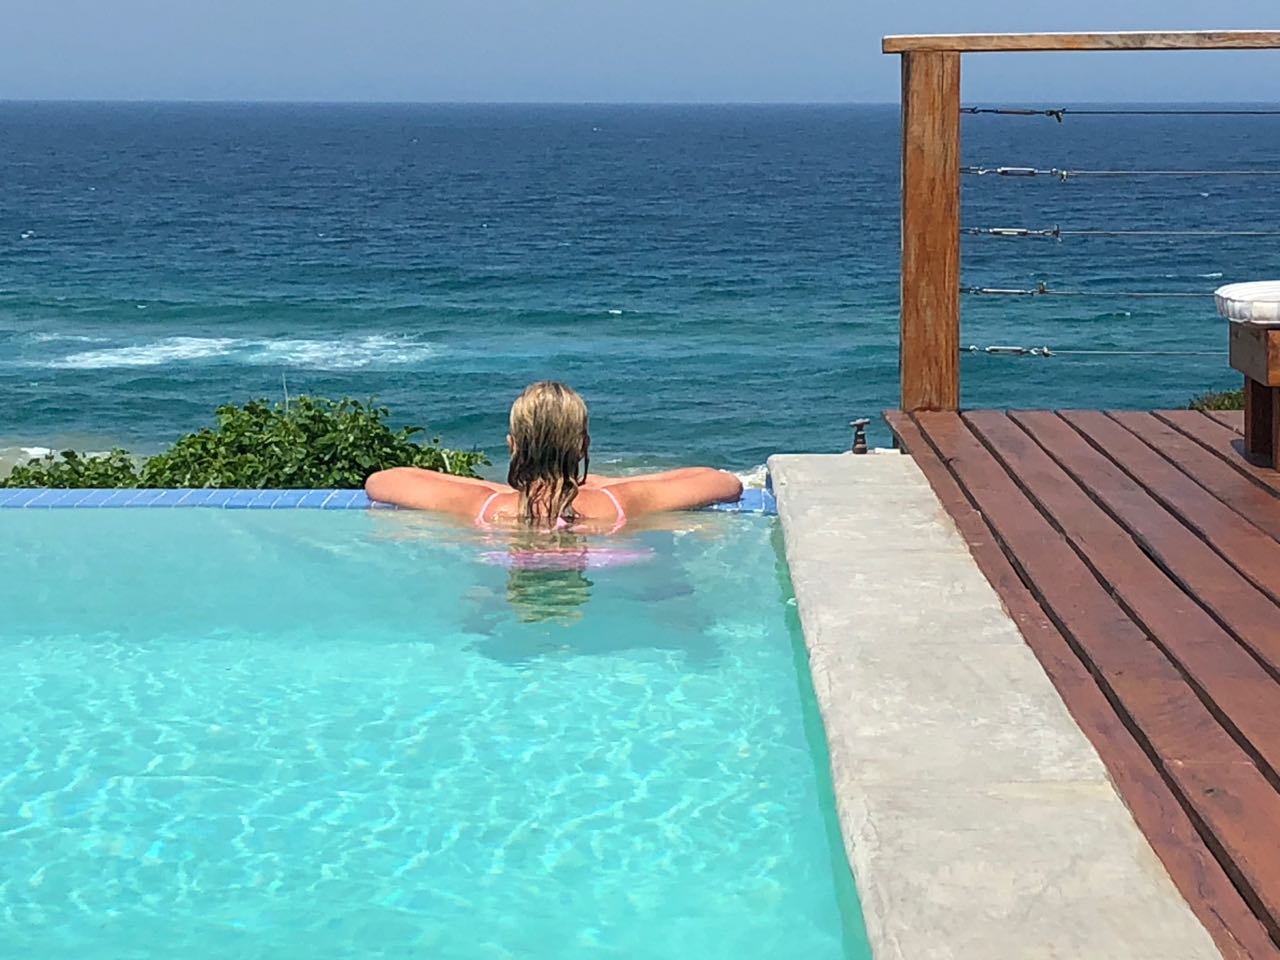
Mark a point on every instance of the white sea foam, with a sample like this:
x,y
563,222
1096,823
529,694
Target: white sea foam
x,y
154,354
615,313
66,338
373,351
11,457
1210,276
353,354
755,477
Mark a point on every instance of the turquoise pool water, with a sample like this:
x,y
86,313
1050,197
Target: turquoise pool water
x,y
290,734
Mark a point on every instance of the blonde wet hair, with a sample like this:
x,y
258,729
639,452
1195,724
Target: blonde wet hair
x,y
549,443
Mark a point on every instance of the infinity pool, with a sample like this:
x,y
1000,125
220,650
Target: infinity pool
x,y
292,734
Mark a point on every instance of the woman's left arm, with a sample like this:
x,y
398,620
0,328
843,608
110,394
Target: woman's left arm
x,y
599,480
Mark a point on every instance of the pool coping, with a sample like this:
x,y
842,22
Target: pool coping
x,y
977,818
754,500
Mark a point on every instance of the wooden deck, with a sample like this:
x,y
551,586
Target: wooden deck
x,y
1139,553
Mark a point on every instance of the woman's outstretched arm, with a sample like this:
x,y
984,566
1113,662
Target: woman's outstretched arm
x,y
684,489
430,490
598,480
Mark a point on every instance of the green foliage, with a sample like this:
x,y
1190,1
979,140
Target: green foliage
x,y
1218,400
71,470
310,442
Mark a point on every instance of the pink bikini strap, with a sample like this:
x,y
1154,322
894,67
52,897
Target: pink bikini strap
x,y
622,514
480,521
484,508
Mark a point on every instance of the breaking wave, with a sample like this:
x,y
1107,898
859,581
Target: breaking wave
x,y
350,354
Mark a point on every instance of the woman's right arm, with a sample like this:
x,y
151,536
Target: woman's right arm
x,y
684,489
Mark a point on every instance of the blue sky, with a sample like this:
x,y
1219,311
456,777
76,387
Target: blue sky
x,y
596,50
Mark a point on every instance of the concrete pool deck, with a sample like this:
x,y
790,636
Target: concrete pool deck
x,y
978,819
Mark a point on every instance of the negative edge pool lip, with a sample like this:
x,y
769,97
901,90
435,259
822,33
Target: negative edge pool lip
x,y
754,500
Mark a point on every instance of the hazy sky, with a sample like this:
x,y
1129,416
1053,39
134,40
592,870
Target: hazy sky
x,y
597,50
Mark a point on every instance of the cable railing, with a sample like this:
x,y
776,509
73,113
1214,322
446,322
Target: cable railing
x,y
1057,233
931,288
1065,175
1061,113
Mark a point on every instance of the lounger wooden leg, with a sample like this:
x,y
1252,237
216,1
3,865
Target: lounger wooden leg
x,y
1260,420
1275,426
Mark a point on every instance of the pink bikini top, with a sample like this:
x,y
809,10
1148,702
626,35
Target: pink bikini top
x,y
561,523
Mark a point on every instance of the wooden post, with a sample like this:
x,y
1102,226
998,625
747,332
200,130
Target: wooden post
x,y
929,359
1255,352
1259,419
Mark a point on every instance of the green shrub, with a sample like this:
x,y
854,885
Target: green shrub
x,y
310,442
1218,400
71,470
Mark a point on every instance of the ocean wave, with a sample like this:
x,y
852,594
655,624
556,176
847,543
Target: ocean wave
x,y
15,454
375,351
11,457
154,354
67,338
755,477
353,354
18,456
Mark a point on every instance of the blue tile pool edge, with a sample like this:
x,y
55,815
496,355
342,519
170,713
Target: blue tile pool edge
x,y
754,500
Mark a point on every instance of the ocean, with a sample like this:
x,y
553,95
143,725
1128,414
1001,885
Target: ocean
x,y
720,282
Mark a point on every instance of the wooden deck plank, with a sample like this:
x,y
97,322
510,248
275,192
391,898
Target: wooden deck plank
x,y
1231,419
1144,686
1129,656
1223,441
1198,875
1221,670
1199,555
1250,550
1255,503
1175,728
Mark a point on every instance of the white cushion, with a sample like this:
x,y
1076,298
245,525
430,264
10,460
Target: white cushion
x,y
1250,302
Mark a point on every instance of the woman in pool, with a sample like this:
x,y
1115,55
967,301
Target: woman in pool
x,y
548,486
